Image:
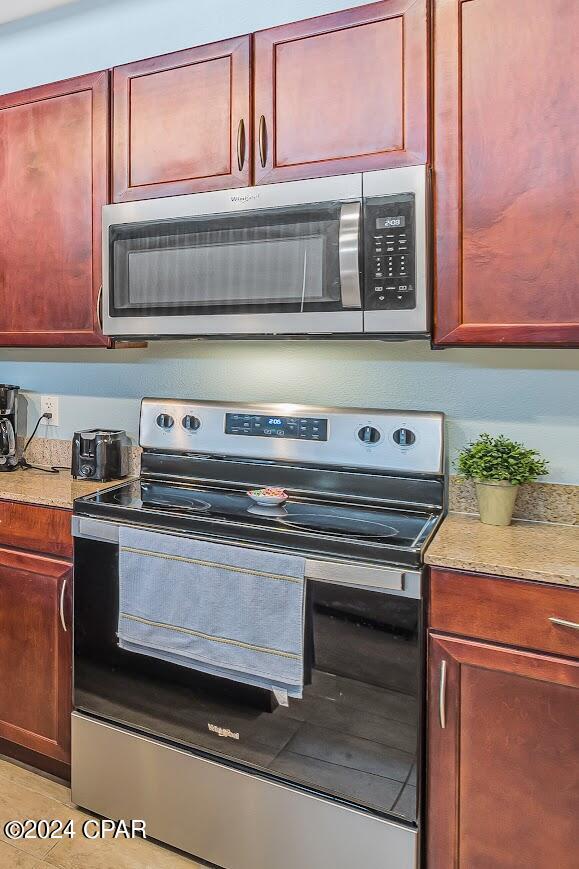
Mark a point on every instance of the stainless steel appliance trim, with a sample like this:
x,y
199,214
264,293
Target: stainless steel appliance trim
x,y
388,182
342,449
424,532
95,529
313,323
354,574
61,606
226,816
442,696
338,188
349,254
405,583
563,623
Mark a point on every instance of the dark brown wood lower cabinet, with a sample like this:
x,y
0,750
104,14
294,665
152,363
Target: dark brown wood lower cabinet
x,y
503,780
35,653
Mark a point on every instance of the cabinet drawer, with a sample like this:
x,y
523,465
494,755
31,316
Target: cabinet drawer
x,y
509,611
35,528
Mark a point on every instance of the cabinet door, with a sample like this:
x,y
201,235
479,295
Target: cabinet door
x,y
506,125
35,653
503,737
53,184
181,122
345,92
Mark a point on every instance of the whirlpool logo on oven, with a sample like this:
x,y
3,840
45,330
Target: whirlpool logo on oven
x,y
222,731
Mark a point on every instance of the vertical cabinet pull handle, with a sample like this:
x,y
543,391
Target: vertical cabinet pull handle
x,y
240,144
61,608
262,142
99,307
442,696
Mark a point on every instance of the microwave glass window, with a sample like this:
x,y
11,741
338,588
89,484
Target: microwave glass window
x,y
273,260
273,270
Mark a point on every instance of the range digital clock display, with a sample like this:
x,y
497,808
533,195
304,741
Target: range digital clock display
x,y
289,427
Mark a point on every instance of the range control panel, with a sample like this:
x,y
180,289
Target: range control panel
x,y
272,426
390,252
406,441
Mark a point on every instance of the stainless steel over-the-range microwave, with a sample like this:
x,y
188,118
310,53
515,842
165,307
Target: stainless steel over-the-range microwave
x,y
345,255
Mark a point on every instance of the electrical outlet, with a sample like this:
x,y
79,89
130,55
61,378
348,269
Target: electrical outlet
x,y
49,404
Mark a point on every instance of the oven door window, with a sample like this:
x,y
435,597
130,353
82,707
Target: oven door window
x,y
283,260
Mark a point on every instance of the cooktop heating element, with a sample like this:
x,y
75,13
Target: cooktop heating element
x,y
337,522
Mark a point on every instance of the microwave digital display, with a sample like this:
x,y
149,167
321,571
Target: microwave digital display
x,y
290,427
390,222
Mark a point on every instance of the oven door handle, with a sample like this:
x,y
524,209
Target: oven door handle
x,y
394,580
349,254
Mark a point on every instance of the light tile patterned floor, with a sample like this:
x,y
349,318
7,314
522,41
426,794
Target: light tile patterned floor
x,y
24,794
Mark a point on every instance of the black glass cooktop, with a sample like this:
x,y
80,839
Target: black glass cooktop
x,y
299,522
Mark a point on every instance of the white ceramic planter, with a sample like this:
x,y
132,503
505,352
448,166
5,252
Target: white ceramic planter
x,y
496,501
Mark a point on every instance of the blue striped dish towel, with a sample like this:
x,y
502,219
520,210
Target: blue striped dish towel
x,y
225,610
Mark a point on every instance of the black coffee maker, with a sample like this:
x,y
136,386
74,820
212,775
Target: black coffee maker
x,y
8,427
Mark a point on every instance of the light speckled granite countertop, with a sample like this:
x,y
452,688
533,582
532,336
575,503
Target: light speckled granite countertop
x,y
542,551
49,490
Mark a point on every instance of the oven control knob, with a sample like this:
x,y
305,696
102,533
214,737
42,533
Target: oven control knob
x,y
86,470
191,423
369,435
165,420
404,437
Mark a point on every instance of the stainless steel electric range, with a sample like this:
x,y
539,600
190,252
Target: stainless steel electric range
x,y
221,769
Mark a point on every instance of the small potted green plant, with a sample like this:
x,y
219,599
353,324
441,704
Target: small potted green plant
x,y
498,467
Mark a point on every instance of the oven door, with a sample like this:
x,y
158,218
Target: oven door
x,y
352,737
283,261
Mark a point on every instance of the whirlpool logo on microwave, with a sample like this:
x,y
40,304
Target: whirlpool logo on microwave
x,y
222,731
244,197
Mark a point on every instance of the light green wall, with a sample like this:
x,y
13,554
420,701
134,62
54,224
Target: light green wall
x,y
532,395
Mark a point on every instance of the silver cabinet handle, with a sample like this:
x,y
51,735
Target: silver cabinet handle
x,y
99,307
241,145
61,608
564,623
442,696
262,142
349,255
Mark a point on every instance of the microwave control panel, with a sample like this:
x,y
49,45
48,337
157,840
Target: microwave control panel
x,y
390,253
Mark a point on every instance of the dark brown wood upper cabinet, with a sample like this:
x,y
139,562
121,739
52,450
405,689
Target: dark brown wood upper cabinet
x,y
181,122
502,787
344,92
54,143
506,165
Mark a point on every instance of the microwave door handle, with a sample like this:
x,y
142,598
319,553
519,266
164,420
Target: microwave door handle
x,y
349,255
